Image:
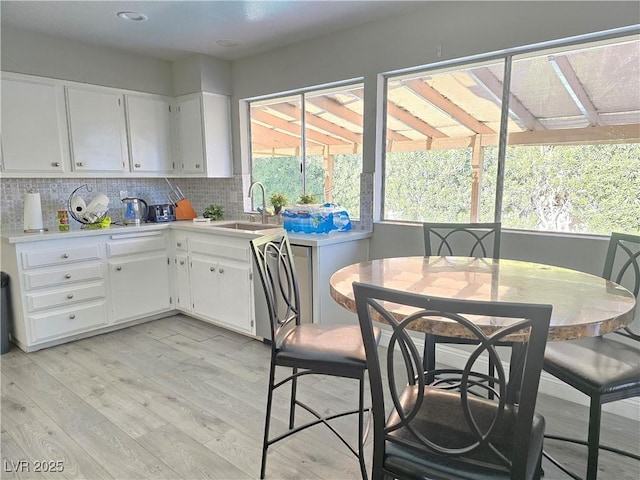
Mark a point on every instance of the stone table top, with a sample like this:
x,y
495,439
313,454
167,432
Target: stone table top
x,y
584,305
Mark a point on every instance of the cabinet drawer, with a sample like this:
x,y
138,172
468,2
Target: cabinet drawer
x,y
67,296
69,321
128,246
63,276
220,250
71,254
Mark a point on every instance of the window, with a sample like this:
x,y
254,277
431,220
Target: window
x,y
310,143
570,136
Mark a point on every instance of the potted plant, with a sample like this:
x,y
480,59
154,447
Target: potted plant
x,y
214,212
278,200
306,198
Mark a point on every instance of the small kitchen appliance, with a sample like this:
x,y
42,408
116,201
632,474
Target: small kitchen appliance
x,y
135,211
165,212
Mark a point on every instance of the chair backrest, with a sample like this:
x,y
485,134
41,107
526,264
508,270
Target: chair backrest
x,y
462,239
274,261
488,433
622,265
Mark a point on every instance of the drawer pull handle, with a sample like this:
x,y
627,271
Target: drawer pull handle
x,y
181,262
67,276
80,164
118,268
72,316
66,255
197,165
137,165
55,164
221,270
179,244
212,269
70,296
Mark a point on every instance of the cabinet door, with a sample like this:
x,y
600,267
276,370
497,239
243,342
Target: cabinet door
x,y
34,130
97,130
139,286
183,289
191,135
149,128
204,287
234,290
217,128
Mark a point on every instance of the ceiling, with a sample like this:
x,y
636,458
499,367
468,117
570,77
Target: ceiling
x,y
227,30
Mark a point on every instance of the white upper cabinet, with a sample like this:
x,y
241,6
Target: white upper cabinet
x,y
204,135
34,126
97,130
150,127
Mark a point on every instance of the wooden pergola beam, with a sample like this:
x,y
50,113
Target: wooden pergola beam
x,y
438,100
320,123
271,121
336,108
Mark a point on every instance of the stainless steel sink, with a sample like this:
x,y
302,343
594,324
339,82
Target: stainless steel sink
x,y
246,226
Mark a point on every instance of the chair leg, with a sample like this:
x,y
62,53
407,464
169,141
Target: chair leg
x,y
429,356
267,420
363,467
595,414
292,406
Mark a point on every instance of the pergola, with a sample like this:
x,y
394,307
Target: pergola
x,y
586,96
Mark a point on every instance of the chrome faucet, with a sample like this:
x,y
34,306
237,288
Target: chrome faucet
x,y
264,199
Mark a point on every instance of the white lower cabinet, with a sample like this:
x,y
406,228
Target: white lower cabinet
x,y
220,280
138,275
58,289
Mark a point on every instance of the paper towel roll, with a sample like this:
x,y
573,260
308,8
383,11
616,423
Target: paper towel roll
x,y
78,205
32,213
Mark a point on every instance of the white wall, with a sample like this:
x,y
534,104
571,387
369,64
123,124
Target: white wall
x,y
37,54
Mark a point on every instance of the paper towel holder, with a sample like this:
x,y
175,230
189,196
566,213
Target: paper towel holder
x,y
33,213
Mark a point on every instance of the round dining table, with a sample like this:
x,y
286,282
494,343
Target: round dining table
x,y
584,305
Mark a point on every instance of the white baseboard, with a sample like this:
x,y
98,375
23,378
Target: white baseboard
x,y
549,385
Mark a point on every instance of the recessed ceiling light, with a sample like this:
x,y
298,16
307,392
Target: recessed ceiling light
x,y
133,16
226,43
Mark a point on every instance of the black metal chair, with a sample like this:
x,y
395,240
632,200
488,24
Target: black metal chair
x,y
335,350
603,368
461,239
450,429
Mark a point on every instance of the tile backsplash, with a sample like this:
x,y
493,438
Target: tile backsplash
x,y
54,195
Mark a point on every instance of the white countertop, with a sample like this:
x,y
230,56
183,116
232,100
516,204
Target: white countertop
x,y
306,239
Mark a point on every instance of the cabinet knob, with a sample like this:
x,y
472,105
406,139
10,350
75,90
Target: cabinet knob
x,y
137,165
70,296
221,270
197,165
72,316
66,255
67,276
79,164
55,164
118,268
212,269
181,262
179,244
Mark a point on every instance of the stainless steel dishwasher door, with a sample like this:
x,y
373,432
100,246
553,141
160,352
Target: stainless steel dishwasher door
x,y
304,271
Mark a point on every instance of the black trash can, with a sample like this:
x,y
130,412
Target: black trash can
x,y
6,315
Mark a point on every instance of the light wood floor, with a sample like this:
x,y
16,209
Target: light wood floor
x,y
178,398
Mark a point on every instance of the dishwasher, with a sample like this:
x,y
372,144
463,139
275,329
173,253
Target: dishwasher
x,y
302,262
